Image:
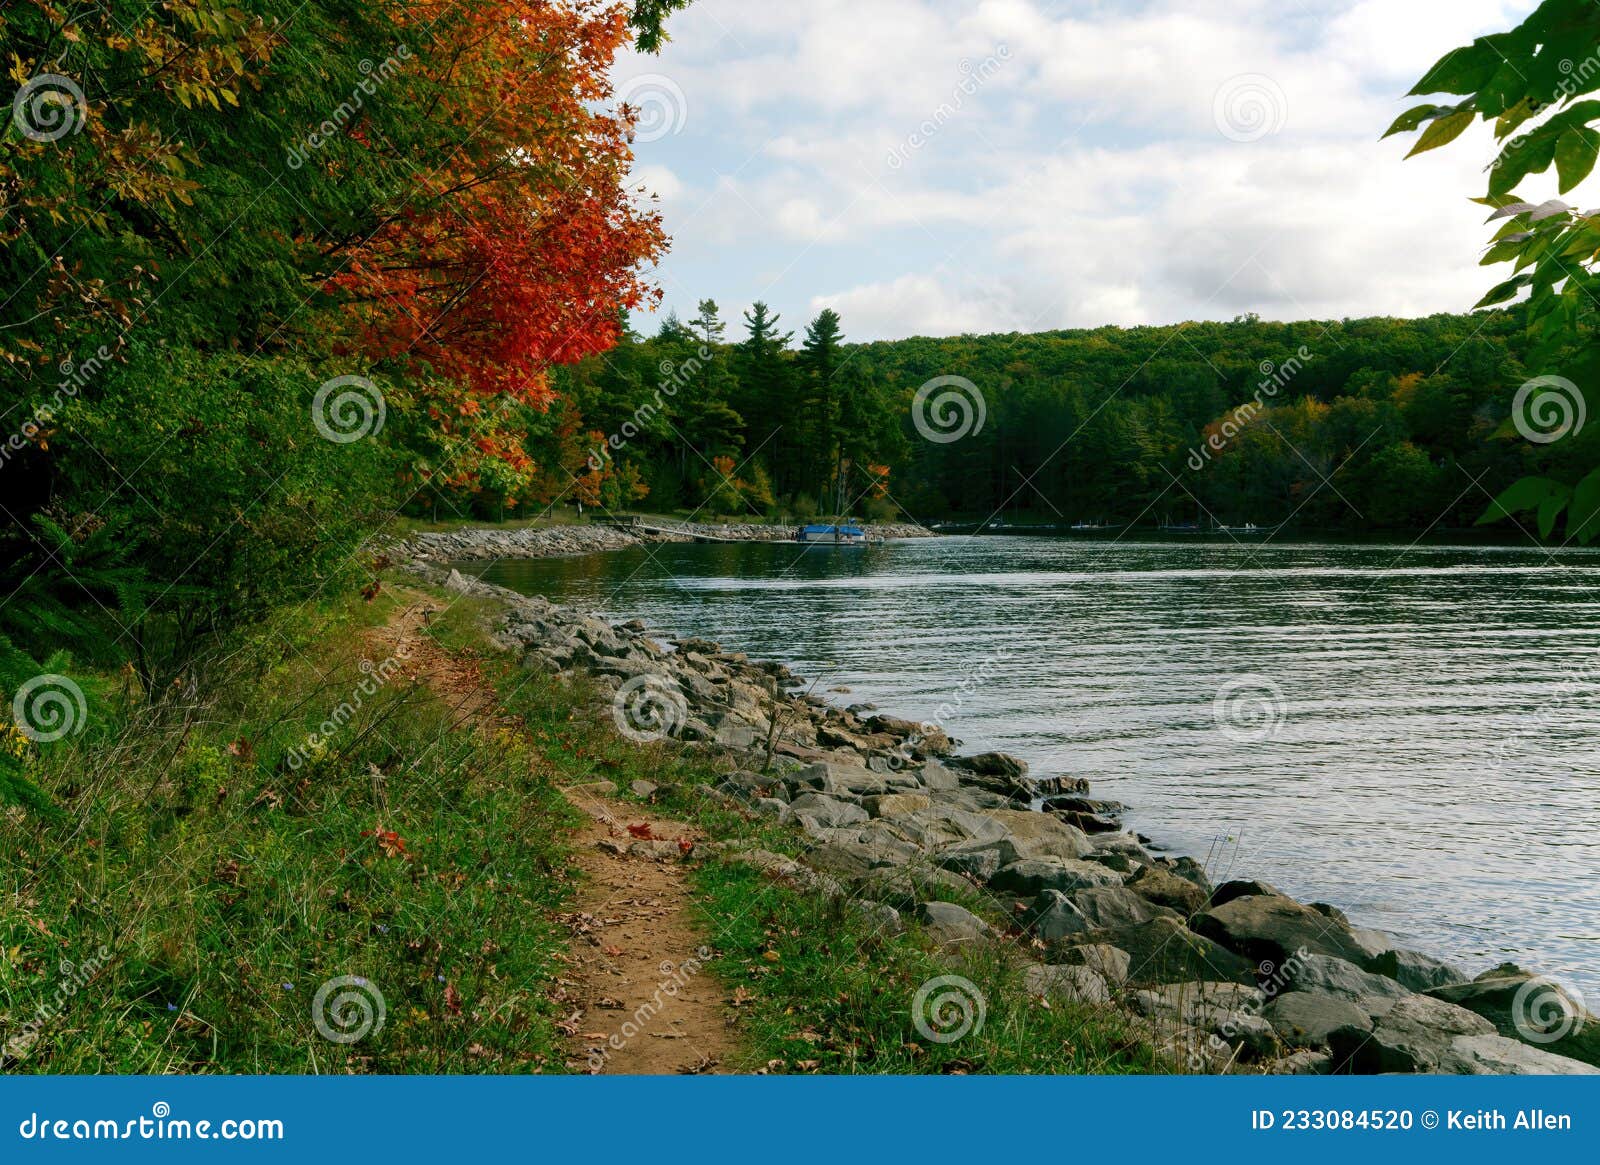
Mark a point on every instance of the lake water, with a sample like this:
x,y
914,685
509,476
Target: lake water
x,y
1410,733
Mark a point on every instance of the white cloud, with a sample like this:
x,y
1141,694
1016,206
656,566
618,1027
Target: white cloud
x,y
1085,181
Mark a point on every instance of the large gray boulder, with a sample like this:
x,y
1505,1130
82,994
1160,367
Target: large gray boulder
x,y
1065,981
1342,979
1108,962
816,812
1038,835
1534,1010
1165,888
1108,907
1414,1035
950,925
1164,951
1414,970
1052,917
1306,1020
1032,876
1229,1011
1270,928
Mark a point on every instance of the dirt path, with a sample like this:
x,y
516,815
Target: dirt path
x,y
639,999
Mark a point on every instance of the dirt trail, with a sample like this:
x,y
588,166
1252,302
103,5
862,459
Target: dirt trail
x,y
639,999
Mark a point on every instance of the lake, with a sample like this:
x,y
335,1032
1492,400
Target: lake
x,y
1409,732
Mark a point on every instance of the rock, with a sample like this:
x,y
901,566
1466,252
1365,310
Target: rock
x,y
1415,1035
1107,907
942,827
1271,928
883,918
592,789
1228,891
904,888
1164,951
851,852
934,775
815,811
645,789
1072,983
1030,876
1373,943
658,850
978,864
1323,975
896,804
1229,1011
1037,835
1412,969
950,925
1053,917
1167,889
1552,1018
1302,1063
1123,844
747,784
1108,962
993,764
1305,1020
1498,1056
1190,871
771,807
825,777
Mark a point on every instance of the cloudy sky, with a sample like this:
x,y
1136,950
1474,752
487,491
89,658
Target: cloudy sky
x,y
932,167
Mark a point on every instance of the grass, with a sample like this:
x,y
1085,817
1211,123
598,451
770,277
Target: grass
x,y
229,870
227,885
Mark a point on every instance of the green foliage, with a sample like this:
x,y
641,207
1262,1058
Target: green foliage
x,y
1528,82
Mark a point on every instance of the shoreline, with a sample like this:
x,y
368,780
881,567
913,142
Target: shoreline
x,y
1250,978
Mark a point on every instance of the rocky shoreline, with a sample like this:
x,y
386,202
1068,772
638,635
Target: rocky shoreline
x,y
553,541
1236,977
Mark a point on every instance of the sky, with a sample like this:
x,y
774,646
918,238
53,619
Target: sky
x,y
935,167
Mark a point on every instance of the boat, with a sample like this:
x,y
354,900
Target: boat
x,y
831,535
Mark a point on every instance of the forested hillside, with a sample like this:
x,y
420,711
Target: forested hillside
x,y
1346,425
